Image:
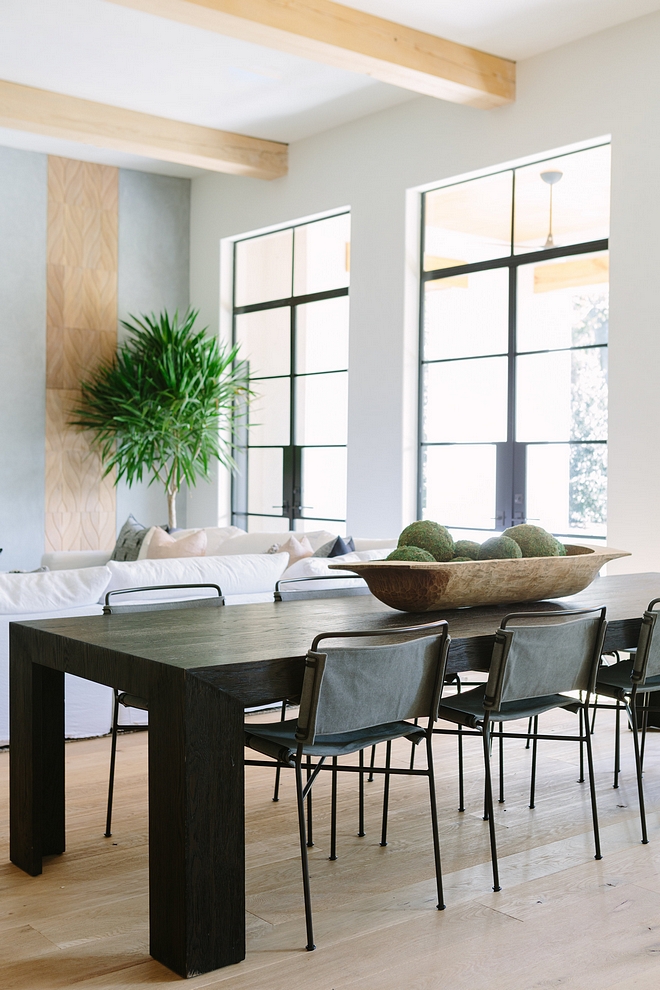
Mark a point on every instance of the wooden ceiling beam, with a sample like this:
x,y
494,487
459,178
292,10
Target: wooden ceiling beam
x,y
346,38
42,112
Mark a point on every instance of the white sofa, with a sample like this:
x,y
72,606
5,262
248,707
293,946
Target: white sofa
x,y
77,581
79,591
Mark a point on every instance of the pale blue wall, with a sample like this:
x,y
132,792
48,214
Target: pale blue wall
x,y
23,185
154,251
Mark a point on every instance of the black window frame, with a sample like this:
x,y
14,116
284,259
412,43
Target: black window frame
x,y
292,508
511,466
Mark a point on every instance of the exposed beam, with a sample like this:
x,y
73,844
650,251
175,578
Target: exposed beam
x,y
42,112
350,39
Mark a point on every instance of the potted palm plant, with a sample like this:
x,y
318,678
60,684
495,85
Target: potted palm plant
x,y
165,405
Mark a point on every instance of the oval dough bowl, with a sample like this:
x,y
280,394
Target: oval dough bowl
x,y
422,587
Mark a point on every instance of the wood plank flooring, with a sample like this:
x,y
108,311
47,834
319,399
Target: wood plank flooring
x,y
561,920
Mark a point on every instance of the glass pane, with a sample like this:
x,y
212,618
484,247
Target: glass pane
x,y
466,401
563,303
265,341
562,396
322,336
466,315
264,479
324,482
565,200
567,488
270,413
468,222
322,255
265,524
309,525
321,409
459,485
263,268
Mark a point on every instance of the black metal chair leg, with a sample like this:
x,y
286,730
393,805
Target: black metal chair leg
x,y
529,729
489,805
501,763
581,716
310,838
592,783
276,792
373,762
434,824
303,857
361,831
638,768
532,786
617,745
386,794
333,812
412,749
461,787
646,701
113,756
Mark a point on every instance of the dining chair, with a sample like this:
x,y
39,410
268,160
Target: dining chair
x,y
303,589
624,681
354,697
122,698
537,658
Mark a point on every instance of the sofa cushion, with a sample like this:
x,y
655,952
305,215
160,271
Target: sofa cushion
x,y
215,537
51,590
296,549
320,566
262,542
162,545
336,548
129,540
65,560
247,574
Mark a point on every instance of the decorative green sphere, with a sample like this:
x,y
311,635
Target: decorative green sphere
x,y
467,549
430,536
455,560
499,548
412,553
534,541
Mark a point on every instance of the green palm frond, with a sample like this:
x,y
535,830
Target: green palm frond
x,y
165,407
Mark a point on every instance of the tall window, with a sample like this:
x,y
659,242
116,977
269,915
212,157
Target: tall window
x,y
514,316
291,320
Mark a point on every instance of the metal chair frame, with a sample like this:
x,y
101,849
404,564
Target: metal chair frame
x,y
302,758
481,726
132,701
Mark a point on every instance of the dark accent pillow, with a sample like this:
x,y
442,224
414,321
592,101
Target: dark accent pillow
x,y
129,540
336,548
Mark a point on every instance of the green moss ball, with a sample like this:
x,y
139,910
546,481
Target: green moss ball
x,y
562,549
534,541
499,548
467,549
455,560
411,553
430,536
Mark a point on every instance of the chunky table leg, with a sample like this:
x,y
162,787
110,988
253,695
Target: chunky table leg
x,y
36,755
196,825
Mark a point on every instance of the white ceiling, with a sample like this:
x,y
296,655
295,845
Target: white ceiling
x,y
100,51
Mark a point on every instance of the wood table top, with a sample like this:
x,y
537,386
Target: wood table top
x,y
196,639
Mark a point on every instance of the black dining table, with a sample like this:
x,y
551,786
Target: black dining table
x,y
198,670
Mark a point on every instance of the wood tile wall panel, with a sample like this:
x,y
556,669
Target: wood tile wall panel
x,y
82,331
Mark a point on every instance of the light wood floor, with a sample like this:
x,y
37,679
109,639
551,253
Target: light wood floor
x,y
561,920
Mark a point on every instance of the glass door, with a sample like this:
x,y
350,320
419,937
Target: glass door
x,y
292,456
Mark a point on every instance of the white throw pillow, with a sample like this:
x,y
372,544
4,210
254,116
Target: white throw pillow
x,y
51,590
244,575
262,542
367,544
320,566
215,537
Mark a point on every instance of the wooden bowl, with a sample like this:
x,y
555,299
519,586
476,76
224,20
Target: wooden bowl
x,y
421,587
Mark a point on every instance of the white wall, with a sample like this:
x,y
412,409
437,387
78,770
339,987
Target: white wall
x,y
23,357
606,84
153,263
